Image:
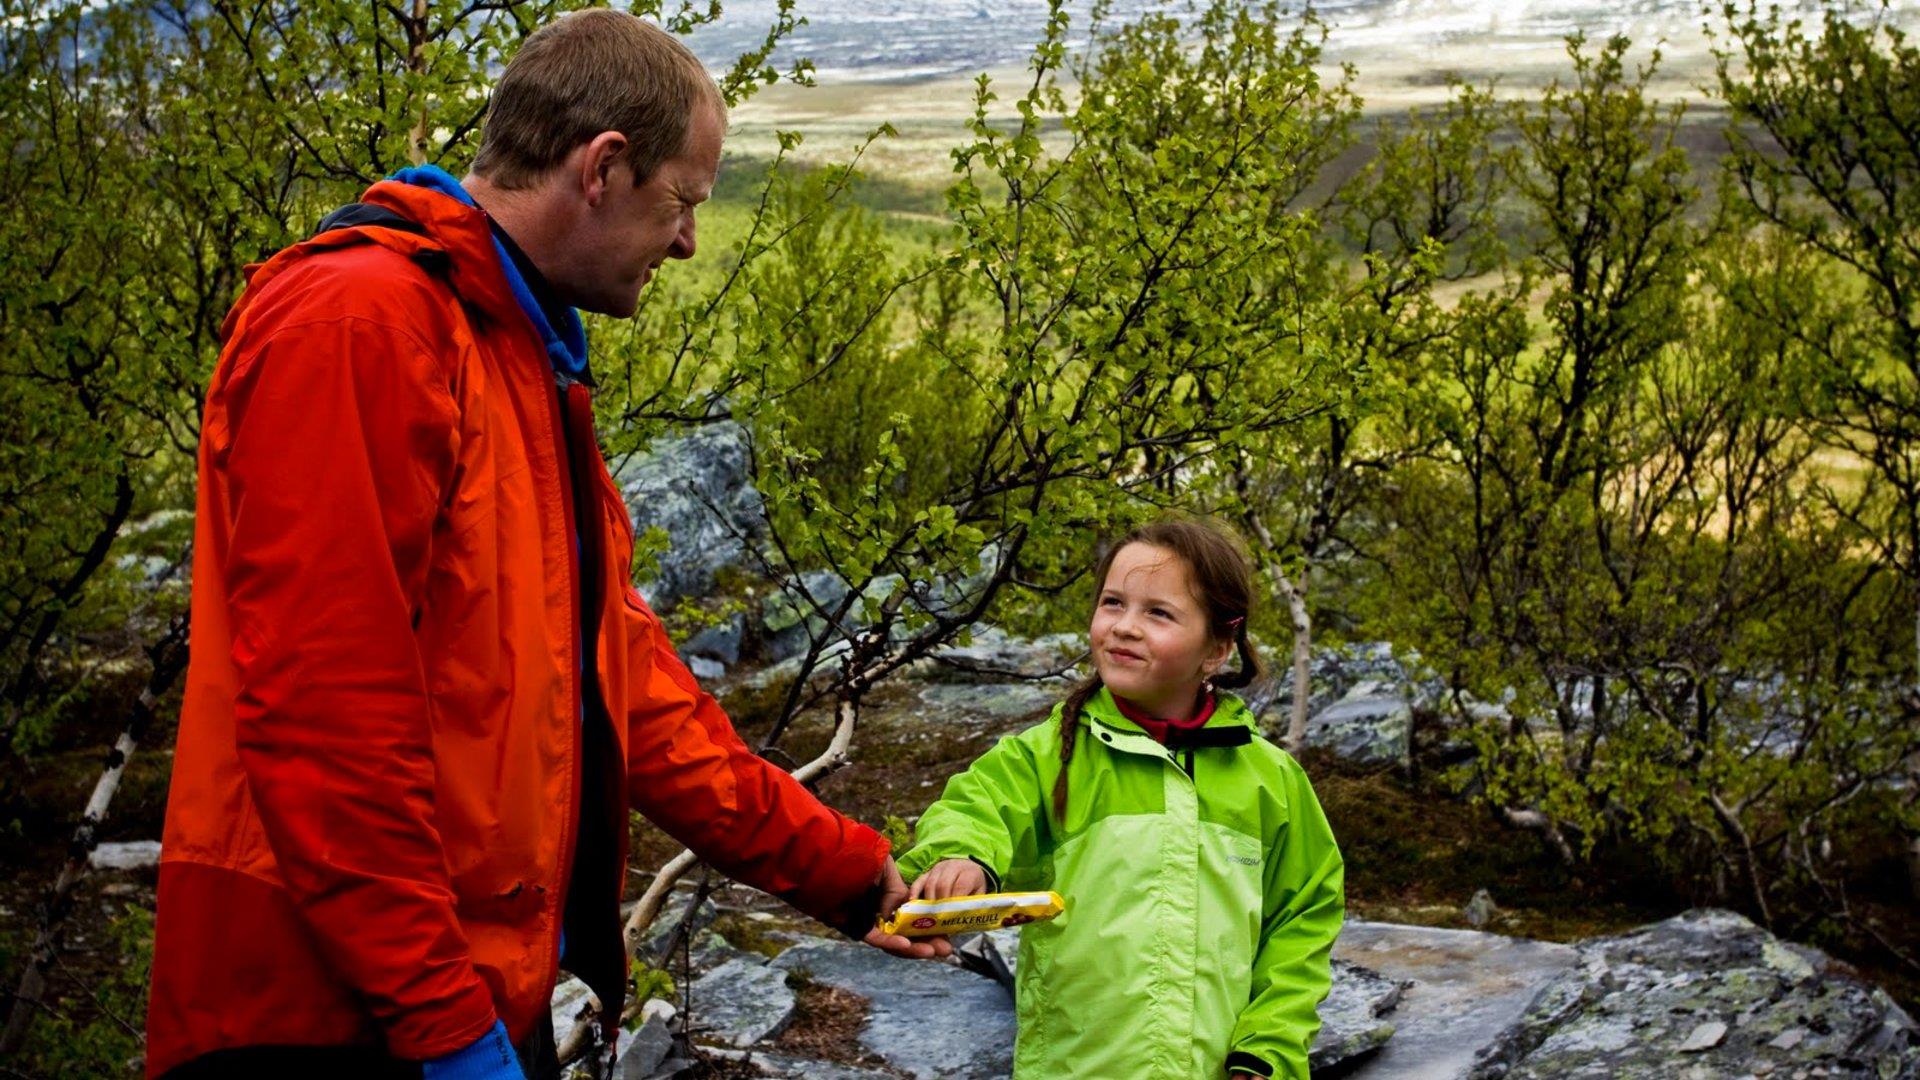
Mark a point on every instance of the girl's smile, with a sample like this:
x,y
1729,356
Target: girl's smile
x,y
1151,642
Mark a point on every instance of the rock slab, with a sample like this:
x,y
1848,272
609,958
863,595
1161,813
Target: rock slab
x,y
742,1001
1463,990
902,994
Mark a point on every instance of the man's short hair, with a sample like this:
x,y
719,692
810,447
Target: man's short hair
x,y
592,71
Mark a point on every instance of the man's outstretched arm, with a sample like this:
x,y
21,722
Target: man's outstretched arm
x,y
691,774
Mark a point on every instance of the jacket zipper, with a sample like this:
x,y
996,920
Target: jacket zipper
x,y
571,821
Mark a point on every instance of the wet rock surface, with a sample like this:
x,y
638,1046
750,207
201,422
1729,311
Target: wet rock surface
x,y
1462,990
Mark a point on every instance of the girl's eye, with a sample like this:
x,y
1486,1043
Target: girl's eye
x,y
1160,612
1109,601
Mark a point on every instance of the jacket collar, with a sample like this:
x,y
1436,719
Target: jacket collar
x,y
1232,724
564,340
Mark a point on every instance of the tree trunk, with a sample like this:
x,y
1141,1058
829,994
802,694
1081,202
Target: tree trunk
x,y
1913,761
1534,820
169,658
417,64
1296,597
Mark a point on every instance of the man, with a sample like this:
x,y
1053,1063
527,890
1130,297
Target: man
x,y
423,695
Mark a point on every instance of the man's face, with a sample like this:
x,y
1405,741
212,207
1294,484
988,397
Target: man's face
x,y
634,228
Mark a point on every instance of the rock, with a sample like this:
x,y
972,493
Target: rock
x,y
660,933
132,855
651,1045
980,703
800,1068
992,654
719,642
791,617
741,1002
570,1002
788,668
698,489
1371,725
902,994
704,669
1462,990
983,954
1481,909
1704,1037
899,991
1350,1024
1714,987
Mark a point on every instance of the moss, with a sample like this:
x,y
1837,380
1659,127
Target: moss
x,y
751,935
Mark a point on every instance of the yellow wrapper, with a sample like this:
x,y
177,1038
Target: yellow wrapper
x,y
962,914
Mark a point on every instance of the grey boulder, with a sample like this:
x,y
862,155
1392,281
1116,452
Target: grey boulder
x,y
1706,994
698,489
1371,725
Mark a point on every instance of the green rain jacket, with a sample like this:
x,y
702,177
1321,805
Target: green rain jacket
x,y
1203,892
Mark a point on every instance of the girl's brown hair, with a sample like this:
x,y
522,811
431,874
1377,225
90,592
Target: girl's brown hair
x,y
1223,578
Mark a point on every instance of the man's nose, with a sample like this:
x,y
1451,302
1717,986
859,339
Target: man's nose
x,y
684,241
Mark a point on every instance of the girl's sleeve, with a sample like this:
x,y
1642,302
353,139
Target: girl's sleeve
x,y
1305,903
993,813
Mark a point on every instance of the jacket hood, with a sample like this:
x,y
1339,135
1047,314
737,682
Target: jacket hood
x,y
455,240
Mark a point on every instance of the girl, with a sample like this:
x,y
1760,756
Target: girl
x,y
1203,886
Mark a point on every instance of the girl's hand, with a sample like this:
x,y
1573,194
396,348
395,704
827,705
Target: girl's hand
x,y
949,877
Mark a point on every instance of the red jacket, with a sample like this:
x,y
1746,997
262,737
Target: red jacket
x,y
376,787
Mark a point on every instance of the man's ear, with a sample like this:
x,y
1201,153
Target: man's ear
x,y
595,163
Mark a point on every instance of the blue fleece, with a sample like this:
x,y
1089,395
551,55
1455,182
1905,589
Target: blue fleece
x,y
566,345
490,1058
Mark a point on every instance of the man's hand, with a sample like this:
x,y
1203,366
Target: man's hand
x,y
893,892
950,877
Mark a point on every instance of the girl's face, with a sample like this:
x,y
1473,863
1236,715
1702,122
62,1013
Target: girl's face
x,y
1151,643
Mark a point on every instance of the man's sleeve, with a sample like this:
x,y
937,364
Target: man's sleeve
x,y
341,439
1304,905
690,773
